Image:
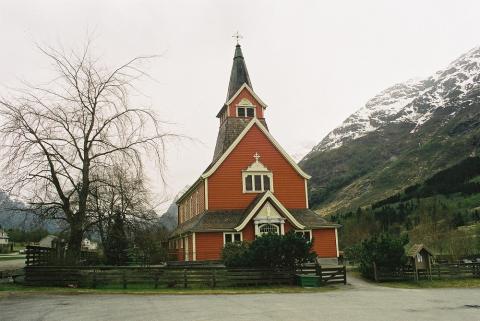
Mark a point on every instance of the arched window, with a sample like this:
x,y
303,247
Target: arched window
x,y
268,228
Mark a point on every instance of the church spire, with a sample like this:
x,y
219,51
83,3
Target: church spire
x,y
239,74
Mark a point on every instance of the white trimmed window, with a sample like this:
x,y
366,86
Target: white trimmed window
x,y
246,111
307,234
232,237
268,228
257,182
257,178
197,210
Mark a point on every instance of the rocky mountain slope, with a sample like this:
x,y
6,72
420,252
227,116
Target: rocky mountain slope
x,y
403,135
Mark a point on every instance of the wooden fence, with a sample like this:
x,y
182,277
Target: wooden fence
x,y
180,277
439,271
155,277
45,256
38,256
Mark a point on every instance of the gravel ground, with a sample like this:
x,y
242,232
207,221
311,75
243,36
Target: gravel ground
x,y
357,301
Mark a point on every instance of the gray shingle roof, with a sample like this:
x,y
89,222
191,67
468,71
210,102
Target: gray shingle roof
x,y
227,220
415,249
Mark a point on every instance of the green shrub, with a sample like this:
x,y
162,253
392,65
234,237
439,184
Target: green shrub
x,y
271,251
386,250
234,254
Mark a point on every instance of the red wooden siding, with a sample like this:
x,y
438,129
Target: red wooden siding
x,y
196,195
287,227
248,233
232,108
325,242
209,245
225,189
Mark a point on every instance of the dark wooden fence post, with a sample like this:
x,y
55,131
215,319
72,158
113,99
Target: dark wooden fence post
x,y
375,275
214,277
320,273
94,279
184,278
156,280
344,275
124,277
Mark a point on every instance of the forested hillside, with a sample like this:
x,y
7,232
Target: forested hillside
x,y
443,212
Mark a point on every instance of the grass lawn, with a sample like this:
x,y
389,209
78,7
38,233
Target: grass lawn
x,y
434,284
6,289
11,257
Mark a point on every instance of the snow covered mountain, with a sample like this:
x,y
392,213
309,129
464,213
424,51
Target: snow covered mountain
x,y
414,101
400,137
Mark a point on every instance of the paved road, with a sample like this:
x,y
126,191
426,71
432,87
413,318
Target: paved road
x,y
359,301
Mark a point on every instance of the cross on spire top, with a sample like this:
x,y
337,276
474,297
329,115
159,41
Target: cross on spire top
x,y
256,156
238,36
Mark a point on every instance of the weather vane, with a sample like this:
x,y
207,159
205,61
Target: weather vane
x,y
238,36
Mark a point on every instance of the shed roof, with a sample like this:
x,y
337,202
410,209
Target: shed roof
x,y
416,248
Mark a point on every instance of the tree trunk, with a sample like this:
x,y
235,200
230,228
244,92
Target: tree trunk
x,y
74,244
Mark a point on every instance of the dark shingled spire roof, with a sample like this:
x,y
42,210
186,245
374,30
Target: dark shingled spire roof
x,y
239,74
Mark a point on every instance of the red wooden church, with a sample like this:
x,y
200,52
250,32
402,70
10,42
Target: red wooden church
x,y
251,187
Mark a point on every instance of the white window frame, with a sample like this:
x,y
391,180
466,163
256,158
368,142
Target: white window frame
x,y
303,232
233,238
262,189
190,208
260,233
197,209
247,107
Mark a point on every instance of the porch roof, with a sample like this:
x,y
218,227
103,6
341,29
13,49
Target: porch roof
x,y
227,220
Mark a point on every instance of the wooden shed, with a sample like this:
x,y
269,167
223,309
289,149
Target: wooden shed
x,y
420,258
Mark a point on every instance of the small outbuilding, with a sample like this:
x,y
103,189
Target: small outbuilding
x,y
48,241
420,258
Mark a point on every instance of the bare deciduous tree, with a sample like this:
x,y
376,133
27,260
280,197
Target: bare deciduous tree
x,y
55,136
119,197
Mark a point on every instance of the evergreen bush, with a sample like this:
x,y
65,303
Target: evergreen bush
x,y
386,250
269,251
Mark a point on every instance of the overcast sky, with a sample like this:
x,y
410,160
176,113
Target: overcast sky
x,y
313,62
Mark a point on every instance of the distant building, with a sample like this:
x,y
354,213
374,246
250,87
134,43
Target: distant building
x,y
88,245
47,241
3,237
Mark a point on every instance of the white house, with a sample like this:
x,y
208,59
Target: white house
x,y
89,245
3,237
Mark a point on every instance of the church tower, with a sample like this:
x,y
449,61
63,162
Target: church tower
x,y
241,106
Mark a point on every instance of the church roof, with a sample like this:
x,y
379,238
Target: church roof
x,y
228,220
239,74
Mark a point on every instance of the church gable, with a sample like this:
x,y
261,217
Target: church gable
x,y
245,104
267,212
226,179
